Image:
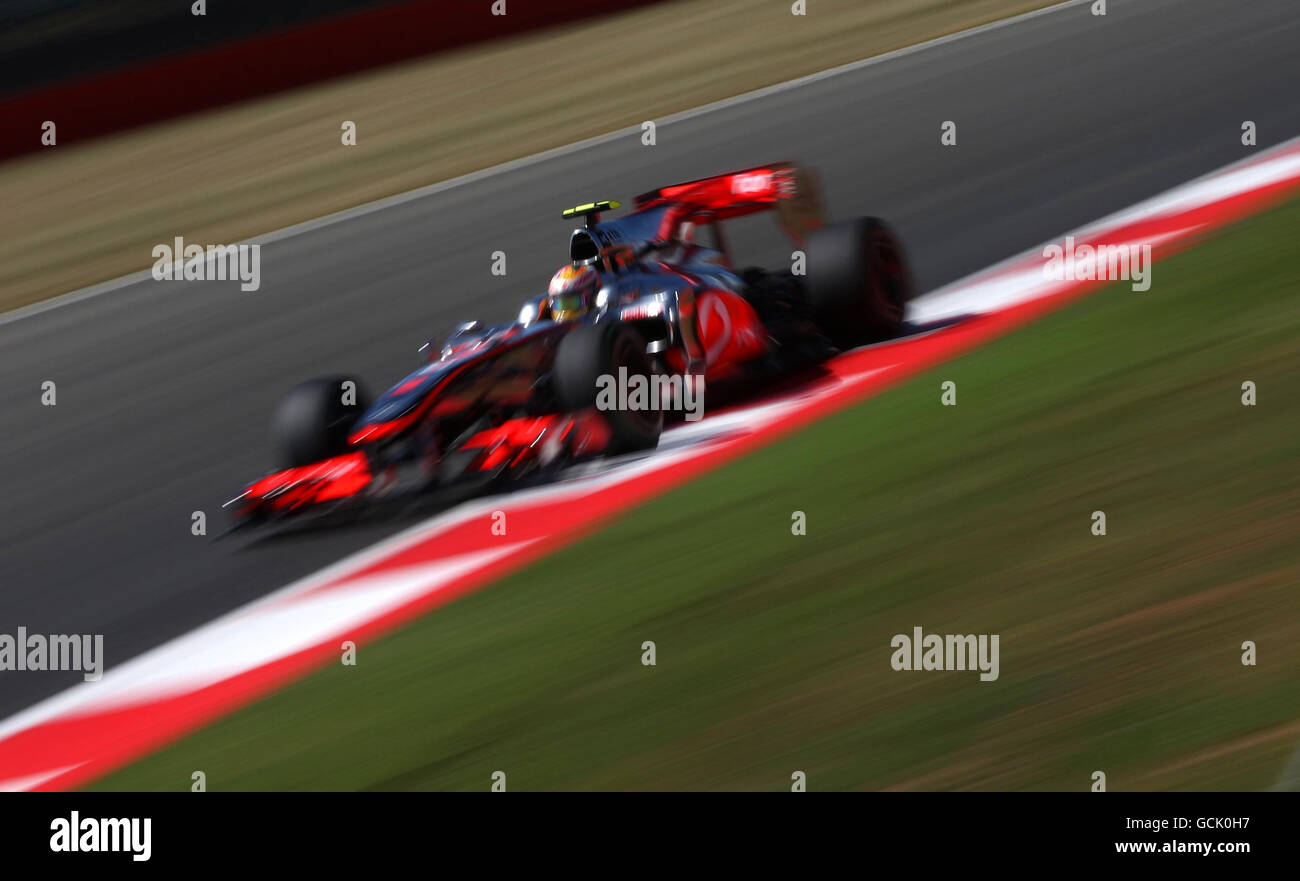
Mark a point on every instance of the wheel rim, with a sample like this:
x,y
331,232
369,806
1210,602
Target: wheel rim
x,y
626,353
891,279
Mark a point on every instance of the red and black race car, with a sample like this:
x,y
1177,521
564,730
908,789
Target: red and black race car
x,y
505,401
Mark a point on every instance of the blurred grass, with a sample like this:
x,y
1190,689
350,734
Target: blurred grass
x,y
1118,653
81,214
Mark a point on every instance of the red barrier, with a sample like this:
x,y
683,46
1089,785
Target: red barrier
x,y
163,88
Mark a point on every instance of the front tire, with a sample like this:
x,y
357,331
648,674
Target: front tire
x,y
858,281
585,355
312,420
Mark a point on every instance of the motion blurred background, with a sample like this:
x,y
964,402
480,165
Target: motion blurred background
x,y
107,67
494,88
222,127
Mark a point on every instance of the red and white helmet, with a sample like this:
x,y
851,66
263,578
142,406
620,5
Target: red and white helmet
x,y
572,291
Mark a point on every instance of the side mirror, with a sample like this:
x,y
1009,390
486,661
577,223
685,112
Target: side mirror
x,y
433,350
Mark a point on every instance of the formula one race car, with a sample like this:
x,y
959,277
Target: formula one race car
x,y
640,297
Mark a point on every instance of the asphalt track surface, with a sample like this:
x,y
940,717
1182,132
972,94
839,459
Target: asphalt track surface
x,y
164,389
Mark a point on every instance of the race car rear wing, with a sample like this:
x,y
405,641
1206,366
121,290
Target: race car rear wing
x,y
792,191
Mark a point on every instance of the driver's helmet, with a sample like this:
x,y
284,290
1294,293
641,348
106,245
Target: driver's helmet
x,y
572,291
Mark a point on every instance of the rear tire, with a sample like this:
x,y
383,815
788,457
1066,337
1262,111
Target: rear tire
x,y
596,350
858,281
311,422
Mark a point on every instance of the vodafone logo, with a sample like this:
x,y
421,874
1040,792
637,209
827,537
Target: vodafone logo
x,y
750,184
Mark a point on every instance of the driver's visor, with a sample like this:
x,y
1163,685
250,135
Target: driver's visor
x,y
565,306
